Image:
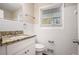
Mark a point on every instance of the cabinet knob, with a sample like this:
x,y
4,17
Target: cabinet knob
x,y
25,52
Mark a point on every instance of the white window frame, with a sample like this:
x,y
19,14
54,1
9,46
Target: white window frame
x,y
54,5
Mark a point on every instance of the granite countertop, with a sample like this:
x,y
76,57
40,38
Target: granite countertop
x,y
13,39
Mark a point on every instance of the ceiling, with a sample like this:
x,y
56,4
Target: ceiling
x,y
10,6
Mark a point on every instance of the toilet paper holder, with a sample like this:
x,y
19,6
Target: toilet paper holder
x,y
51,41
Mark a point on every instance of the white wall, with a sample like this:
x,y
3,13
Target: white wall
x,y
17,15
62,37
28,8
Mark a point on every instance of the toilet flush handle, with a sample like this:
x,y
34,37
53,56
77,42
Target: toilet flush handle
x,y
76,42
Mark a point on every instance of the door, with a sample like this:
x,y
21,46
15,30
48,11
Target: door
x,y
70,27
78,27
75,33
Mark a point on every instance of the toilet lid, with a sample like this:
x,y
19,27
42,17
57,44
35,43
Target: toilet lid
x,y
39,46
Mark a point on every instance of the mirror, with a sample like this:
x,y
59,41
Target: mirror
x,y
10,10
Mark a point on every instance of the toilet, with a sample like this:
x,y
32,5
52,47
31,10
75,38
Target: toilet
x,y
39,48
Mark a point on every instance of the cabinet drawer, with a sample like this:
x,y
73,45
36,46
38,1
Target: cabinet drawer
x,y
15,47
31,50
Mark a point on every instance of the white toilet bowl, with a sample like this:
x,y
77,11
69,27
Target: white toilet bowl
x,y
39,48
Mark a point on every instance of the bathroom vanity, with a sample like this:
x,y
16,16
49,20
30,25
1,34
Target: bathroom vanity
x,y
18,45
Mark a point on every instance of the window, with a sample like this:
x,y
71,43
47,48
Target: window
x,y
51,16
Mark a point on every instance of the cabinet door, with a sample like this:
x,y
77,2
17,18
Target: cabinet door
x,y
23,52
27,51
3,50
31,50
15,47
18,46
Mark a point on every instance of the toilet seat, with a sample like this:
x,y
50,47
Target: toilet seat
x,y
39,47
